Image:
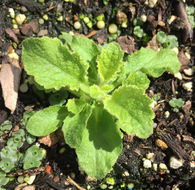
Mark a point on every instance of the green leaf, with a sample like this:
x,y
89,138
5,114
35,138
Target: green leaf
x,y
3,179
109,62
74,126
138,79
151,62
46,121
97,93
101,144
32,157
75,105
132,108
87,49
53,65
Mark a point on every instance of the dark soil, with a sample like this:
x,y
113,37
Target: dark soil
x,y
177,131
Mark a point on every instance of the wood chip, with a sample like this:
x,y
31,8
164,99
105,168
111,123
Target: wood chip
x,y
71,181
49,140
10,34
188,139
183,60
127,44
10,79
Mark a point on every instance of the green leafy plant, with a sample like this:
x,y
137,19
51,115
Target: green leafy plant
x,y
191,14
176,104
109,94
167,41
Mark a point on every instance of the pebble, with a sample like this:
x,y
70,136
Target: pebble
x,y
175,163
178,76
147,163
187,86
77,25
125,173
24,88
155,166
12,12
172,18
42,33
152,3
192,164
143,18
150,156
162,166
112,28
167,114
30,179
188,72
161,144
20,18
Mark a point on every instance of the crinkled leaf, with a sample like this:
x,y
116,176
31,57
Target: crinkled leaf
x,y
152,62
87,49
101,144
74,126
138,79
46,121
53,65
132,108
109,62
3,179
96,92
75,105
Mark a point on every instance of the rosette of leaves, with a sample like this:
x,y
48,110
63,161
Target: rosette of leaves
x,y
109,94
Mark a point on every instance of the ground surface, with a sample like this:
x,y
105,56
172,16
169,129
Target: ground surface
x,y
173,134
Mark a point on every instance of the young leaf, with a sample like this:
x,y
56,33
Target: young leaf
x,y
96,92
132,108
53,65
74,126
75,105
151,62
46,121
109,62
138,79
87,49
101,144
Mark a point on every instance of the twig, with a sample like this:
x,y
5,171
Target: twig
x,y
71,181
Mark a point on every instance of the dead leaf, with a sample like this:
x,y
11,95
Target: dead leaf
x,y
153,44
29,28
127,44
10,79
183,60
49,140
10,34
187,106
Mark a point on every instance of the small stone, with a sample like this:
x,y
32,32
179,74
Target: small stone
x,y
100,24
30,179
45,17
162,166
112,29
192,164
176,50
187,55
41,21
152,3
42,33
178,76
20,19
147,163
161,144
188,72
24,88
153,104
12,12
167,114
155,166
150,156
143,18
130,185
110,181
77,25
20,179
125,173
187,86
175,163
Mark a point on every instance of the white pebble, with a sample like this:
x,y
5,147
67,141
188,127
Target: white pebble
x,y
30,179
20,18
155,166
188,72
178,76
167,114
12,12
187,86
175,163
77,25
172,18
147,163
143,18
187,55
162,166
150,156
152,3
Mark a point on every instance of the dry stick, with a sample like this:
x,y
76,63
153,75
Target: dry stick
x,y
183,15
71,181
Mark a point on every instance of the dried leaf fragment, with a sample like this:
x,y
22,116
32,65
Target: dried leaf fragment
x,y
10,79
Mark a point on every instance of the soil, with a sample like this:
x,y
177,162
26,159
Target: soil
x,y
173,135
